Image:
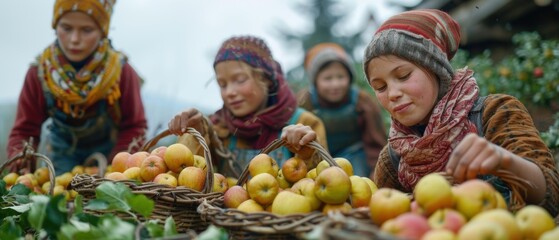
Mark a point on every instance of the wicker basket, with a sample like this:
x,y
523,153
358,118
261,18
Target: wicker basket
x,y
355,224
179,202
264,225
29,156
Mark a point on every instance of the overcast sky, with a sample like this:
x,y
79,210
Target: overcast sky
x,y
171,43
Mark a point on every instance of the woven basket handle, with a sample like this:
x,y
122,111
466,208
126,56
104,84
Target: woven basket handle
x,y
207,155
101,162
277,143
28,154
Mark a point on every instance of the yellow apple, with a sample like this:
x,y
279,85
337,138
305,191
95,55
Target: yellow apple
x,y
119,162
439,234
152,166
311,174
388,203
321,166
407,226
234,196
116,176
305,187
64,179
283,184
360,195
133,173
533,221
178,157
192,177
263,163
231,181
167,179
332,185
550,235
433,192
250,206
58,189
504,218
500,200
372,184
448,219
46,187
481,230
343,207
10,178
474,196
159,151
78,169
42,175
342,162
200,162
294,169
287,202
220,183
263,188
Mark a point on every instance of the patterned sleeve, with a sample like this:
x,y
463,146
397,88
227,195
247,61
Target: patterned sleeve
x,y
507,123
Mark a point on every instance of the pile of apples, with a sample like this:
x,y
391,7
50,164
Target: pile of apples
x,y
294,189
471,210
173,165
39,180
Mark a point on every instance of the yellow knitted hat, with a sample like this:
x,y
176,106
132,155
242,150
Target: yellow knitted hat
x,y
99,10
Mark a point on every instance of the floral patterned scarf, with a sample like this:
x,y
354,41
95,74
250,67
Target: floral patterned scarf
x,y
447,126
76,91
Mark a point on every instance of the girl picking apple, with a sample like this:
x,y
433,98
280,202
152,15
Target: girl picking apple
x,y
439,121
257,104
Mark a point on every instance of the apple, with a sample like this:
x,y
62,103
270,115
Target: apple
x,y
234,196
343,208
372,184
550,235
294,169
360,195
250,206
287,202
120,162
116,176
231,181
388,203
439,234
533,221
91,170
79,169
474,196
63,179
311,174
332,185
448,219
200,162
178,157
167,179
283,183
263,163
136,159
133,173
501,203
10,178
192,177
58,190
220,183
415,208
433,192
174,174
27,181
152,166
482,230
503,217
46,187
159,151
342,162
407,226
263,188
305,187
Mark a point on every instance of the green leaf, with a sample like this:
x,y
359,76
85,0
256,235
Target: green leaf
x,y
3,190
67,232
10,229
154,229
213,233
114,194
78,204
141,204
97,204
56,215
38,211
20,208
19,189
170,227
117,228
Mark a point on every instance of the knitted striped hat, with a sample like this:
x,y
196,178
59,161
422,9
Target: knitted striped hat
x,y
99,10
254,52
426,37
324,53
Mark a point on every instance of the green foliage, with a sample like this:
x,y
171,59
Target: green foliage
x,y
551,136
530,73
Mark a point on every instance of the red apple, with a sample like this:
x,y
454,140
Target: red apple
x,y
152,166
360,195
220,183
159,151
294,169
407,226
234,196
447,218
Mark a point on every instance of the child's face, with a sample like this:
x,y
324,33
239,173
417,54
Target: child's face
x,y
332,82
405,90
242,90
78,35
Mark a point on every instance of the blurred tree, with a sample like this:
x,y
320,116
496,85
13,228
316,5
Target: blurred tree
x,y
326,16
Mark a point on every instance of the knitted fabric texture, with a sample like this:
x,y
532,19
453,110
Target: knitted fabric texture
x,y
99,10
426,37
324,53
254,52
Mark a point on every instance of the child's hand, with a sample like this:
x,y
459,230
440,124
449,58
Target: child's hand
x,y
298,135
476,155
189,118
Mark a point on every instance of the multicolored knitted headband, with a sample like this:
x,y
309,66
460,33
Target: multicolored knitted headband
x,y
323,53
99,10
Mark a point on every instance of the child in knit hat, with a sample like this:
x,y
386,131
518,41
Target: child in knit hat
x,y
353,121
257,104
87,89
439,121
